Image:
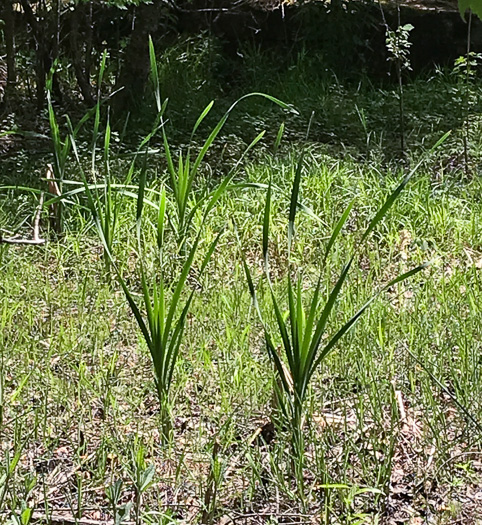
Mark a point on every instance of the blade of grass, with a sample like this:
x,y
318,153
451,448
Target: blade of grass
x,y
294,203
347,326
279,137
154,74
337,229
266,220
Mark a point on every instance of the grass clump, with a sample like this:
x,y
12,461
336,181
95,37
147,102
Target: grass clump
x,y
162,319
302,331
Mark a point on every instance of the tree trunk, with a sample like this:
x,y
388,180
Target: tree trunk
x,y
52,54
10,45
135,70
39,36
44,46
81,73
88,40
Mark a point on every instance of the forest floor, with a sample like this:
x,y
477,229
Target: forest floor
x,y
394,415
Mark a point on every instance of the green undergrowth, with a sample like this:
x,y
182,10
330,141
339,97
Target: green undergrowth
x,y
393,418
78,402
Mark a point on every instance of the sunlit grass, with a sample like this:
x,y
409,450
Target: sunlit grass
x,y
77,392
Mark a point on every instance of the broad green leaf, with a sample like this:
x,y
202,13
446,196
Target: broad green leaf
x,y
202,117
146,478
154,74
12,465
278,363
107,138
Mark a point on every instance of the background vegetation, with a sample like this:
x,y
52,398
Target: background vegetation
x,y
240,255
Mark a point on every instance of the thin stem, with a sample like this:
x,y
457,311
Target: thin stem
x,y
400,90
401,108
466,97
165,416
298,448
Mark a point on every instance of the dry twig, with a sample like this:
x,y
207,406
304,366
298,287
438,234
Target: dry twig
x,y
36,239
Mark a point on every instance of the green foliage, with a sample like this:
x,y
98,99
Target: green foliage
x,y
398,45
303,332
192,62
474,5
222,385
467,66
163,315
183,175
70,354
163,321
114,493
8,470
142,476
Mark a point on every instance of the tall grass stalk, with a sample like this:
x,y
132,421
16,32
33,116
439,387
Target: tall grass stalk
x,y
110,217
182,173
303,332
61,152
62,147
162,317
